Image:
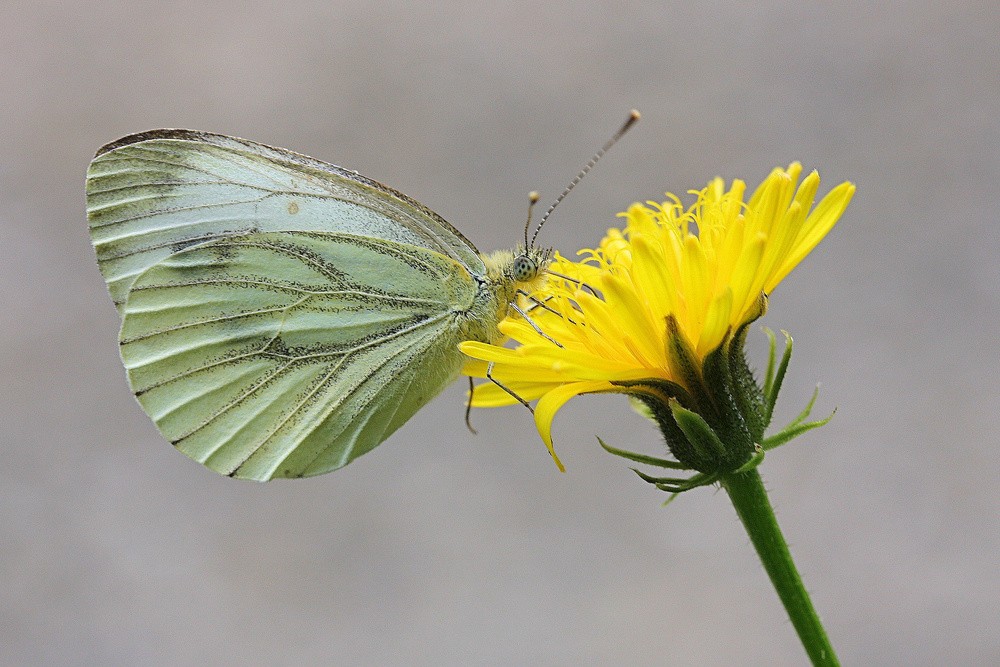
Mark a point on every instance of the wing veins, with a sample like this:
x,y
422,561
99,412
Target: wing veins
x,y
233,282
385,195
171,227
293,289
149,160
344,356
147,184
236,401
221,362
214,320
189,399
328,407
191,240
127,202
299,171
181,209
320,267
378,340
350,450
226,155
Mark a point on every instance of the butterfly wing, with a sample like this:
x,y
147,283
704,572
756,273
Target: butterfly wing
x,y
289,354
154,193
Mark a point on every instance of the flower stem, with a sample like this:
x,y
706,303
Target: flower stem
x,y
749,497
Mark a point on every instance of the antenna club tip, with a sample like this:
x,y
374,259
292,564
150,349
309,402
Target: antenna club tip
x,y
533,196
633,116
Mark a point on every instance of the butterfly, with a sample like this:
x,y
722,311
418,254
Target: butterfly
x,y
281,316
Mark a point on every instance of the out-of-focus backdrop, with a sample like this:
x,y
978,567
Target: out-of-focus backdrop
x,y
445,548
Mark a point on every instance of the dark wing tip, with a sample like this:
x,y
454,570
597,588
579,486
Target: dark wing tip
x,y
149,135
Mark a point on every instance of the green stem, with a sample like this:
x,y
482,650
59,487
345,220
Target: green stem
x,y
749,497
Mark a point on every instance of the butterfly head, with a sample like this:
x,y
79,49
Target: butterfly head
x,y
521,269
525,267
529,264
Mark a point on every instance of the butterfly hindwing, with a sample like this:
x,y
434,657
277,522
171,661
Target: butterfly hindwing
x,y
289,354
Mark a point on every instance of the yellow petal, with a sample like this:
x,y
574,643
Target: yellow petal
x,y
817,225
550,403
489,395
695,288
487,352
717,322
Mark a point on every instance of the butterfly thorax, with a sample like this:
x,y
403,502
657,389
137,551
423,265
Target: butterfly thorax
x,y
508,273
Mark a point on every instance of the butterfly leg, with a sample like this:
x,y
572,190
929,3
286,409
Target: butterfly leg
x,y
468,409
535,326
582,284
489,376
575,281
538,303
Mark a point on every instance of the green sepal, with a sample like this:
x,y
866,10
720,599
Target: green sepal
x,y
775,376
640,407
772,347
655,388
692,482
747,393
791,432
677,485
754,461
708,449
660,480
804,415
672,485
642,458
728,422
797,426
684,361
656,395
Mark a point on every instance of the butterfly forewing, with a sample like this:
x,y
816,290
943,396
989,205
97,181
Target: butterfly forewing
x,y
289,354
152,194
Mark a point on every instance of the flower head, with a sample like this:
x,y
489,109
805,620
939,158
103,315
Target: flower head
x,y
644,312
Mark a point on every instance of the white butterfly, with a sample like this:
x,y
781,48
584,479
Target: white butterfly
x,y
282,316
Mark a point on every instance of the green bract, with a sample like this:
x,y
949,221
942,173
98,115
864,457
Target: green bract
x,y
715,424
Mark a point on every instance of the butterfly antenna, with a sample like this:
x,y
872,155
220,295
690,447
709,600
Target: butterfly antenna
x,y
632,118
533,198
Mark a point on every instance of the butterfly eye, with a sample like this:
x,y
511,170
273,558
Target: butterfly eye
x,y
525,269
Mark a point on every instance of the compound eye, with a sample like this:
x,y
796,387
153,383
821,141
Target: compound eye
x,y
525,269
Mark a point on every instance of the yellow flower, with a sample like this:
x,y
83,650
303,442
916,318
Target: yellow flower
x,y
674,276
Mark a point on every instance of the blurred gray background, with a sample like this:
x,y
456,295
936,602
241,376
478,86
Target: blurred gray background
x,y
444,548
